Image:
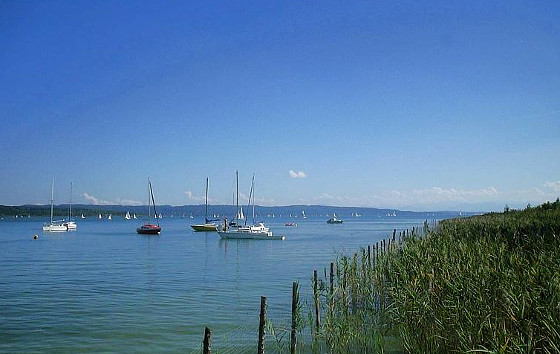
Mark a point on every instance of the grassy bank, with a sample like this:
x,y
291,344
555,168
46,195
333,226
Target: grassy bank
x,y
484,283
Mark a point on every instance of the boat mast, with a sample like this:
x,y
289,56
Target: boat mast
x,y
237,187
70,211
153,201
249,201
253,183
52,200
149,202
206,210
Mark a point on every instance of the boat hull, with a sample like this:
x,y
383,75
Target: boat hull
x,y
334,221
205,227
55,228
236,235
149,230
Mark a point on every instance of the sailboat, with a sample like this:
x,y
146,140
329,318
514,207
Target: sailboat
x,y
134,216
83,217
99,217
334,220
127,216
54,226
70,225
207,226
110,217
303,214
150,229
240,215
257,231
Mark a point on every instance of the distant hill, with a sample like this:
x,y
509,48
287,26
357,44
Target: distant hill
x,y
223,210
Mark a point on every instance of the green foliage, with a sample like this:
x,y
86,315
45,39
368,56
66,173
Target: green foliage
x,y
484,283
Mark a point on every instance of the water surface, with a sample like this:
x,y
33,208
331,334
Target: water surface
x,y
105,288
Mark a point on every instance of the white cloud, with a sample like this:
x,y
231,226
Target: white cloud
x,y
193,197
555,186
97,201
297,174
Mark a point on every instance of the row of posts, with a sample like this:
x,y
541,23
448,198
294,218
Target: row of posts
x,y
379,248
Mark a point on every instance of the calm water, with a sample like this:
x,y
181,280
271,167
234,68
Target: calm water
x,y
104,288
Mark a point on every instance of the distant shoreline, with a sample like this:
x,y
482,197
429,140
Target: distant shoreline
x,y
294,211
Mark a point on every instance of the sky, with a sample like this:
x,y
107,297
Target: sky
x,y
400,104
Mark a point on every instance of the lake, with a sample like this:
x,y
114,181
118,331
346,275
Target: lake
x,y
105,288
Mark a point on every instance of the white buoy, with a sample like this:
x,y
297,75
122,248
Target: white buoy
x,y
35,237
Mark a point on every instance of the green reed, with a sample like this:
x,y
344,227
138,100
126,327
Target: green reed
x,y
487,283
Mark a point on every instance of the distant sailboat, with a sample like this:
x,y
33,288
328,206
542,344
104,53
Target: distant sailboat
x,y
207,226
54,226
99,217
127,216
134,216
83,217
70,225
110,217
303,214
147,228
334,220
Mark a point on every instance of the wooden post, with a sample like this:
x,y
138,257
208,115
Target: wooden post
x,y
332,279
369,255
394,233
262,320
295,302
207,343
316,300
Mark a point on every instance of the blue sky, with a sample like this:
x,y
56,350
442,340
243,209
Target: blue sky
x,y
417,105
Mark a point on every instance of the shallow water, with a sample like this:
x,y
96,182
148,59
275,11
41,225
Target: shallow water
x,y
106,288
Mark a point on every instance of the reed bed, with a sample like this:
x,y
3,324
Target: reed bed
x,y
487,283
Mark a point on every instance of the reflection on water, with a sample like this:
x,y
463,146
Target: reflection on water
x,y
106,288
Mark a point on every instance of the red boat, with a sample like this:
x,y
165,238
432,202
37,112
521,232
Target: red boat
x,y
149,229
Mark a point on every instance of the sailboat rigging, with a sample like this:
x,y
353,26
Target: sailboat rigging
x,y
54,226
147,228
208,225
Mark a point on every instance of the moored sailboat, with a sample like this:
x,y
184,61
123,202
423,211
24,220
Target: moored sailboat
x,y
70,224
257,231
150,229
208,225
54,226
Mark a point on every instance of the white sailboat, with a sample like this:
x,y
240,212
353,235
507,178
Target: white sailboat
x,y
83,217
208,225
54,226
257,231
110,217
134,216
303,214
99,217
127,216
70,225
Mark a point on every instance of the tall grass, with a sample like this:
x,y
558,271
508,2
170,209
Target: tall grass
x,y
487,283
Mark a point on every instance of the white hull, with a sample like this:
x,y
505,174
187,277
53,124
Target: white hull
x,y
55,228
70,225
239,235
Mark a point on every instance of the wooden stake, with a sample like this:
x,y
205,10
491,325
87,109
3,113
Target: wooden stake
x,y
207,342
316,300
295,302
262,320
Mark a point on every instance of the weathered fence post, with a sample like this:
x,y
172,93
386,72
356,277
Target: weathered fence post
x,y
295,303
316,300
207,342
262,320
394,233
